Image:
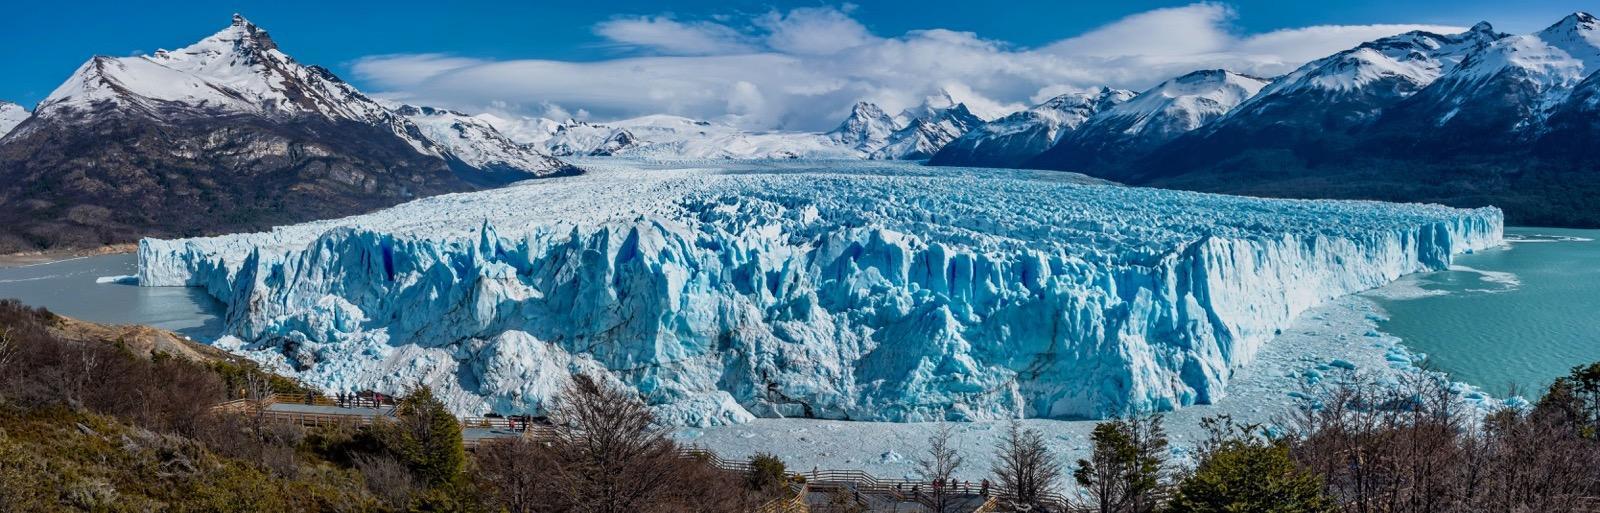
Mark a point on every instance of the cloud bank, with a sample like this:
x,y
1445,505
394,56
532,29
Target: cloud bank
x,y
803,69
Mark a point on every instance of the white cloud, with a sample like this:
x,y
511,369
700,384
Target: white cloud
x,y
813,31
666,35
802,69
1174,31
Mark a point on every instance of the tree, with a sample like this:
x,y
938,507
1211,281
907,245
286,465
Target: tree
x,y
1240,472
939,467
616,459
426,438
511,474
767,473
1577,396
1126,471
1025,468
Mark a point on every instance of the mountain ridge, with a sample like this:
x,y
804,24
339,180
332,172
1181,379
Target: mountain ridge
x,y
227,134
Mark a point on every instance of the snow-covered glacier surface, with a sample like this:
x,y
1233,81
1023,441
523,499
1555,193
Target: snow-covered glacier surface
x,y
843,290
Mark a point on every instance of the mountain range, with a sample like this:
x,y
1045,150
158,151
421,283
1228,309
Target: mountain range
x,y
232,134
1469,119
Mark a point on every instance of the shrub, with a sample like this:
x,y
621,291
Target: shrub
x,y
767,472
1250,476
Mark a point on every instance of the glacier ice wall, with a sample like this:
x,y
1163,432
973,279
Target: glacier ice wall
x,y
867,291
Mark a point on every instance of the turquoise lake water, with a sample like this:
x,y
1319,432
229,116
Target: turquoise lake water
x,y
1506,318
69,287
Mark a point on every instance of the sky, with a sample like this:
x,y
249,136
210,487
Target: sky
x,y
758,65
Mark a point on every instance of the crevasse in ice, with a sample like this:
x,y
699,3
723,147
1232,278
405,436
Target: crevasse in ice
x,y
849,290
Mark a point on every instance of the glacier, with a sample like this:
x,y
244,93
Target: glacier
x,y
879,291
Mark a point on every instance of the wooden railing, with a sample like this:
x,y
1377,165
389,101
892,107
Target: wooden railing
x,y
323,400
795,502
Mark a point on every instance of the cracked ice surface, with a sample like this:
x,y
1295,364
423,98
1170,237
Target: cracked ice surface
x,y
841,290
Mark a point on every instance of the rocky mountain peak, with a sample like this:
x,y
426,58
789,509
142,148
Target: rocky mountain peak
x,y
1579,29
867,125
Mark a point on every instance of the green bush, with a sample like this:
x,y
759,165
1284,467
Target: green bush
x,y
767,472
426,438
1250,476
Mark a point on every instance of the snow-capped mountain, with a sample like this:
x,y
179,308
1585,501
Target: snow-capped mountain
x,y
925,135
1463,119
1132,128
1015,138
239,70
227,133
867,128
477,151
1505,89
1354,86
577,138
11,115
1314,109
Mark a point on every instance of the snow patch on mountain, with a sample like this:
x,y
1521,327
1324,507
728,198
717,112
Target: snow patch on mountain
x,y
491,157
867,127
237,70
1013,139
1529,73
11,115
1416,58
1184,103
924,136
861,290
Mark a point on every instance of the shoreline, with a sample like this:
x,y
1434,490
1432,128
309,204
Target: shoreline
x,y
27,258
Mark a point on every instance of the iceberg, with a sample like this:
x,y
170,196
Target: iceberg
x,y
877,291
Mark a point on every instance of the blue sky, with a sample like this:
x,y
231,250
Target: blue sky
x,y
372,44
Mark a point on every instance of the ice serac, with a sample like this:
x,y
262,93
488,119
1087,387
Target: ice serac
x,y
867,291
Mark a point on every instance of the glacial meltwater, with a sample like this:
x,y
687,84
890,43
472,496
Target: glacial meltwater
x,y
73,288
1518,317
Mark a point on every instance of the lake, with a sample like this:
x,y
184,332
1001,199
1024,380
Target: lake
x,y
1514,317
69,287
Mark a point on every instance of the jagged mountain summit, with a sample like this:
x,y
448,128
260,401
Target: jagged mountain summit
x,y
1012,140
924,136
1135,127
11,115
226,134
867,127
